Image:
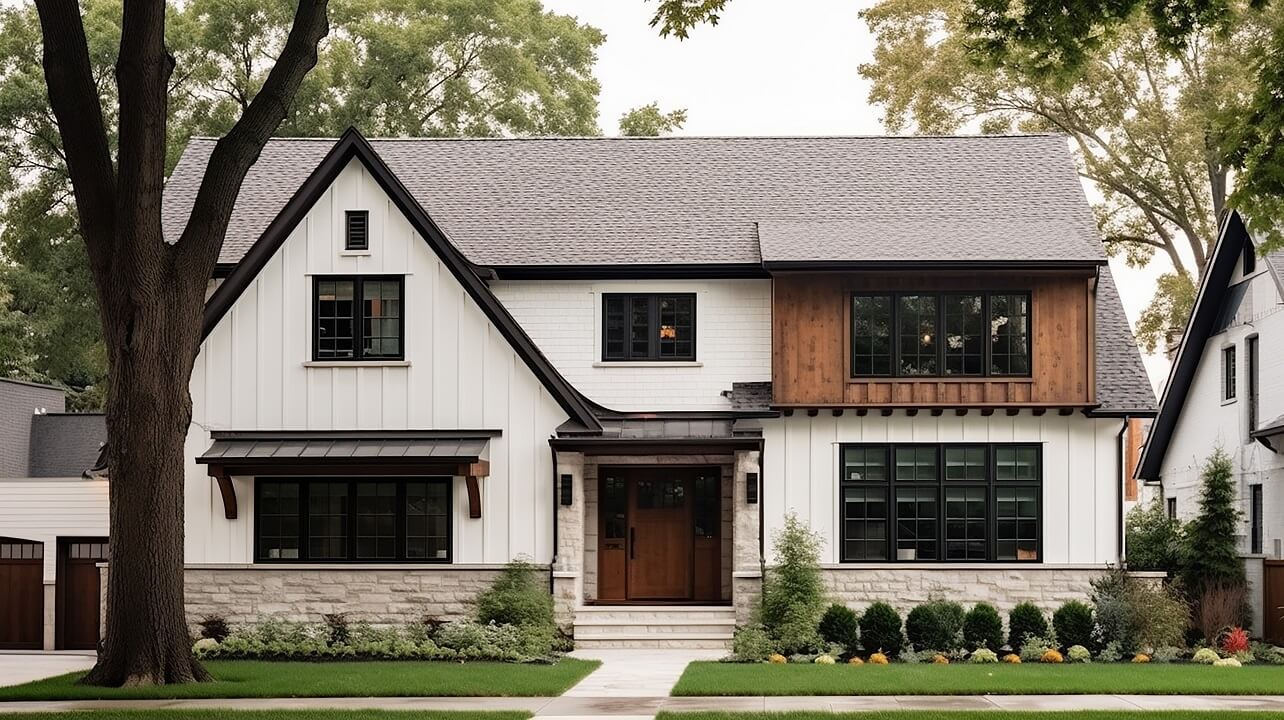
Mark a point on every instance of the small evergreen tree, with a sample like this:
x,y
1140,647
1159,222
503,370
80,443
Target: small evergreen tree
x,y
1211,557
793,591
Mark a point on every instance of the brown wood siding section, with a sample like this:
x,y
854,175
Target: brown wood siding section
x,y
810,329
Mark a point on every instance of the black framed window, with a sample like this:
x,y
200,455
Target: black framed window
x,y
1228,373
356,234
1252,371
939,335
1255,518
949,502
649,327
358,318
343,520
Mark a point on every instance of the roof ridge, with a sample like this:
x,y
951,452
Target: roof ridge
x,y
666,138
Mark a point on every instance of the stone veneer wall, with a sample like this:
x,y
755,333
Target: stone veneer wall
x,y
382,596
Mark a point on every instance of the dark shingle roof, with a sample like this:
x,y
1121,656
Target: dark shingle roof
x,y
587,201
65,444
1122,383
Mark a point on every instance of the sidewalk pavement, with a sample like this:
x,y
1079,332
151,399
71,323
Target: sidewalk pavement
x,y
624,708
19,666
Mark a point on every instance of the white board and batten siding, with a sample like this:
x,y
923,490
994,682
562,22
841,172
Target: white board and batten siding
x,y
733,340
1080,472
255,372
1208,421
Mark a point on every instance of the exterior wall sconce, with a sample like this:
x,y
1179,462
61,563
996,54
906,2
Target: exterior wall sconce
x,y
565,491
751,488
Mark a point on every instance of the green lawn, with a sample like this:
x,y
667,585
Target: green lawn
x,y
972,715
268,715
253,678
713,678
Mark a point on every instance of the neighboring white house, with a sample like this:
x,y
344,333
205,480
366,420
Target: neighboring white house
x,y
630,359
53,519
1226,391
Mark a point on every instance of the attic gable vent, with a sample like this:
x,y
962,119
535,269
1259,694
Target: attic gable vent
x,y
358,230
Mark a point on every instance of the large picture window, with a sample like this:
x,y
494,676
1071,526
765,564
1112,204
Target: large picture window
x,y
938,335
940,503
648,327
339,520
358,318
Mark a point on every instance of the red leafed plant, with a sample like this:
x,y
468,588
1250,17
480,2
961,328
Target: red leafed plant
x,y
1235,641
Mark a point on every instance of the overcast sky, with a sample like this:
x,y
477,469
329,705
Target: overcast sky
x,y
767,68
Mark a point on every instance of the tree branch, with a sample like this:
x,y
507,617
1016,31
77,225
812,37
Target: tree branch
x,y
73,95
236,151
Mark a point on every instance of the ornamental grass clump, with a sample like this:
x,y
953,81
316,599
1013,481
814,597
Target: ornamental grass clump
x,y
935,625
880,630
793,593
1025,621
983,628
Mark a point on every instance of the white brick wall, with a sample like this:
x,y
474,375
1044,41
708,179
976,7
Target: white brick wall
x,y
733,340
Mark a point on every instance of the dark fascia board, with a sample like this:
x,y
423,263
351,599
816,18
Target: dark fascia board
x,y
351,434
850,265
1119,413
353,145
629,272
1212,289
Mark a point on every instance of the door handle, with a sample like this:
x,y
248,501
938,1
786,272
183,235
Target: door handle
x,y
633,544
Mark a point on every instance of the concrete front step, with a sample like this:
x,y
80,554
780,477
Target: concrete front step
x,y
654,626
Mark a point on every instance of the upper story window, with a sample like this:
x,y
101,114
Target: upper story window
x,y
1228,373
356,230
340,520
952,503
358,318
648,326
940,334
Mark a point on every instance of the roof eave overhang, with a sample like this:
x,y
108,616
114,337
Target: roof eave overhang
x,y
1086,265
701,271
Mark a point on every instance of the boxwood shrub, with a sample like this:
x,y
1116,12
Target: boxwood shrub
x,y
1025,621
935,625
983,628
880,630
840,625
1074,624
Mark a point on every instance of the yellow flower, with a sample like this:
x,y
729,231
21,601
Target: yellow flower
x,y
1141,658
1051,656
1013,659
878,659
855,661
777,659
940,660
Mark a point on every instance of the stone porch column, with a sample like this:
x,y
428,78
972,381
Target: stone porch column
x,y
568,566
747,558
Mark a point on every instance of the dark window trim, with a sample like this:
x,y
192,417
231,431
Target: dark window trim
x,y
653,322
351,539
1229,358
358,325
348,215
987,354
991,484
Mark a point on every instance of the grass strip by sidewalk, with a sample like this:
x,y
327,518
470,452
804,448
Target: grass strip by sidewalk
x,y
977,715
714,678
269,715
260,679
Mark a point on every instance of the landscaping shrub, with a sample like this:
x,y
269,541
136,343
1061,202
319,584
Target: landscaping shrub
x,y
1078,654
1073,623
337,628
1211,556
214,627
880,630
1219,608
1154,540
1235,641
1205,656
839,625
983,627
935,625
751,644
519,596
1135,614
1034,647
983,656
792,590
1166,654
1025,620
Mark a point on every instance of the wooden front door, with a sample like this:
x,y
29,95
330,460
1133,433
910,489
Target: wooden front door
x,y
1273,602
655,539
22,594
78,592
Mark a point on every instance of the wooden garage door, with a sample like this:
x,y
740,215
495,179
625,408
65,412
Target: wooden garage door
x,y
78,592
22,594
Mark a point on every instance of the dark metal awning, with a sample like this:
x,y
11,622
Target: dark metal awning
x,y
366,453
670,433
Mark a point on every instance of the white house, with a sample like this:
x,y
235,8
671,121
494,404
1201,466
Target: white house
x,y
629,359
1223,393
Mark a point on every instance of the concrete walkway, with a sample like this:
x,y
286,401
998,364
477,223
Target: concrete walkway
x,y
636,673
624,708
18,666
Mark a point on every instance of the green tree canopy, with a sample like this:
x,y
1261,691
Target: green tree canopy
x,y
1146,125
650,121
389,67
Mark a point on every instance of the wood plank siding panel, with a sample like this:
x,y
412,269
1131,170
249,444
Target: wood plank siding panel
x,y
811,330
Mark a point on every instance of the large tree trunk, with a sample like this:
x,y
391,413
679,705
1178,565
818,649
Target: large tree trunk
x,y
149,409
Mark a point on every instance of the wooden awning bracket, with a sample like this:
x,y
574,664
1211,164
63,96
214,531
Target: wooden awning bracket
x,y
226,489
473,472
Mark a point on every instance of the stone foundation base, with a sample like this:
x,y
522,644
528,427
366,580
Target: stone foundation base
x,y
378,596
